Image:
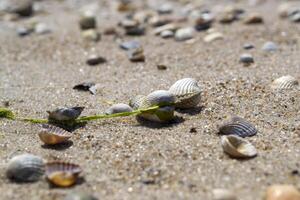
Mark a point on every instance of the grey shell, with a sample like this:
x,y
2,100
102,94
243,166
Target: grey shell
x,y
25,168
285,82
187,93
63,114
237,126
118,108
159,97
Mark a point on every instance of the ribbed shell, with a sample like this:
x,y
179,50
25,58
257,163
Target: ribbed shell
x,y
187,93
63,114
285,82
159,97
137,101
62,174
237,147
53,135
118,108
25,168
237,126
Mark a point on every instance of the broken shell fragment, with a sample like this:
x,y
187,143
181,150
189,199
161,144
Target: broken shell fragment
x,y
86,86
65,114
118,108
187,93
53,135
284,82
223,194
62,174
25,168
282,192
237,147
237,126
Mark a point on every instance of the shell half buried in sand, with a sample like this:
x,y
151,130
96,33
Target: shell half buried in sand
x,y
187,93
237,126
53,135
237,147
118,108
62,174
285,82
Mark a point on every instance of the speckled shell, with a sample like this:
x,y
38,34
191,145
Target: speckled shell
x,y
284,82
187,93
62,174
118,108
237,126
25,168
237,147
64,114
53,135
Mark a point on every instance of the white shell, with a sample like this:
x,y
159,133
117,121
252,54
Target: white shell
x,y
237,147
184,34
25,168
187,93
159,97
285,82
118,108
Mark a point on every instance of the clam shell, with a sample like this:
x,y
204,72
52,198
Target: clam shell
x,y
282,192
285,82
62,174
53,135
160,98
137,101
25,168
118,108
64,114
237,126
187,93
237,147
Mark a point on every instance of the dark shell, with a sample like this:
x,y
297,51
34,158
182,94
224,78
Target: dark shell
x,y
237,126
63,114
86,86
25,168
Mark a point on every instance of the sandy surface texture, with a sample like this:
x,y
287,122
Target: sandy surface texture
x,y
124,159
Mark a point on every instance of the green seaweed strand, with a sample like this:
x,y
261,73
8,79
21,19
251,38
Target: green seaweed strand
x,y
6,113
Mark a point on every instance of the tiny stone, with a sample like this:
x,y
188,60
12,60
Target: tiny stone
x,y
165,9
213,36
87,21
248,46
204,21
41,28
110,31
135,31
295,17
184,34
167,34
168,27
136,55
91,35
161,67
95,60
254,19
193,130
246,58
23,31
21,7
132,44
269,47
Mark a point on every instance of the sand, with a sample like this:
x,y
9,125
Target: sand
x,y
123,159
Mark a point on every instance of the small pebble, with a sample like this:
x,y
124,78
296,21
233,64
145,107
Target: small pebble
x,y
213,36
161,67
167,34
246,58
168,27
248,46
295,17
204,21
87,21
23,8
23,31
269,47
136,55
254,19
132,44
135,31
184,34
41,28
95,60
165,8
91,35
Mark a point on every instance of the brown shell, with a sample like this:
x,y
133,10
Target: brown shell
x,y
53,135
62,174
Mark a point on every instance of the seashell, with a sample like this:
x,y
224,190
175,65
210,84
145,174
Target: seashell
x,y
79,196
187,93
62,174
213,36
160,98
86,86
282,192
118,108
237,147
136,55
25,168
87,20
136,102
63,114
91,35
253,18
129,45
95,59
284,82
269,47
246,59
53,135
223,194
166,34
237,126
184,34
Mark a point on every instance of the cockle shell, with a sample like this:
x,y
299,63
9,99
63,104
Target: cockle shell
x,y
162,98
285,82
53,135
64,114
237,126
25,168
282,192
187,93
237,147
118,108
62,174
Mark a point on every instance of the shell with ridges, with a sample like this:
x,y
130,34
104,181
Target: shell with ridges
x,y
137,101
62,174
118,108
284,82
187,93
25,168
237,126
53,135
237,147
64,114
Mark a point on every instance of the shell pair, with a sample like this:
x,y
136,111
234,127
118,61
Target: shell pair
x,y
161,98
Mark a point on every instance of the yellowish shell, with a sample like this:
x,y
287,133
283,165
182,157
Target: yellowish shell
x,y
53,135
282,192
